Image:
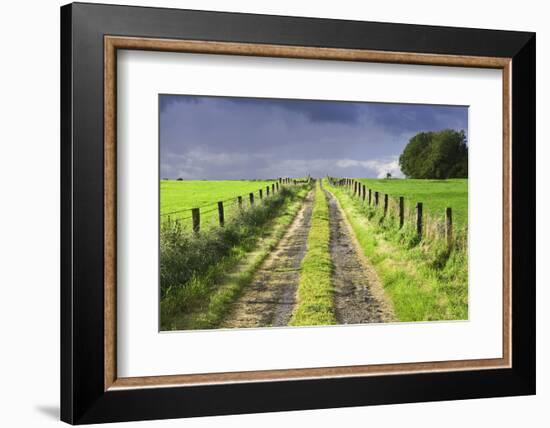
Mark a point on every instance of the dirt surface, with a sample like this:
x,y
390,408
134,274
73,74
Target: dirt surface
x,y
358,293
270,298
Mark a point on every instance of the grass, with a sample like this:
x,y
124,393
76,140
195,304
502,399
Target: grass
x,y
314,299
425,280
196,289
178,197
436,195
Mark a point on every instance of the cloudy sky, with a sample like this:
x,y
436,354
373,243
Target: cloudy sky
x,y
239,138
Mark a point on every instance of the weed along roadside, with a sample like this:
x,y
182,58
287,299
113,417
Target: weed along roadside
x,y
270,296
359,296
423,265
202,273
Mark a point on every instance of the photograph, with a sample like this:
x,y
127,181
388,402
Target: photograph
x,y
300,213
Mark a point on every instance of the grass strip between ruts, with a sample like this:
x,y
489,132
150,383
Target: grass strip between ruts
x,y
314,299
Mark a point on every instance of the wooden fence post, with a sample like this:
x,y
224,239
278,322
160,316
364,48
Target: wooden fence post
x,y
370,196
196,219
240,202
251,196
401,211
376,196
220,213
277,186
273,188
419,219
449,226
385,204
364,192
261,194
267,191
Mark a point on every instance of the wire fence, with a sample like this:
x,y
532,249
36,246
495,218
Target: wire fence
x,y
404,212
220,213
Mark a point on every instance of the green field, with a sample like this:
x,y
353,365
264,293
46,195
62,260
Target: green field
x,y
436,195
178,197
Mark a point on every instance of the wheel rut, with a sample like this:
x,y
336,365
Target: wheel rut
x,y
358,294
270,297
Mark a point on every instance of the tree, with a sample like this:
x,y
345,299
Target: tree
x,y
436,155
388,175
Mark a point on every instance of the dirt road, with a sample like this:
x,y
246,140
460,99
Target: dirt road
x,y
271,296
269,299
358,294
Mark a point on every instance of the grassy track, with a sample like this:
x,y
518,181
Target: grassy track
x,y
204,274
436,195
314,301
424,281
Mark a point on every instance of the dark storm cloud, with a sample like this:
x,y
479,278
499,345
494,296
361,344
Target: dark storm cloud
x,y
407,117
231,138
314,111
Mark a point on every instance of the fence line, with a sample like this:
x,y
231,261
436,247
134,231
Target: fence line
x,y
425,226
223,208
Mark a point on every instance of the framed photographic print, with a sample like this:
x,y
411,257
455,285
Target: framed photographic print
x,y
265,213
